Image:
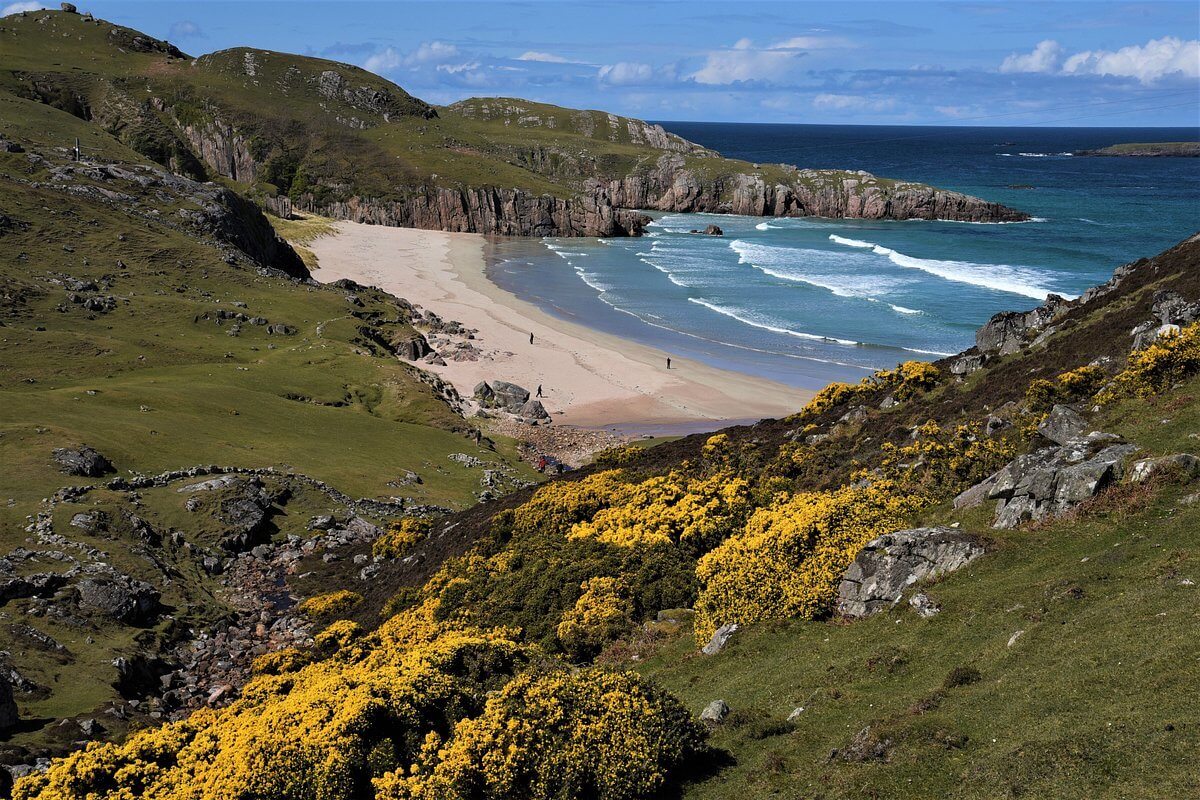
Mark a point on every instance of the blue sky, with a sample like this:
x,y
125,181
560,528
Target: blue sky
x,y
1067,63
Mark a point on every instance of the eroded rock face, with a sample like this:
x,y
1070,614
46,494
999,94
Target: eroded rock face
x,y
1051,481
1171,312
890,564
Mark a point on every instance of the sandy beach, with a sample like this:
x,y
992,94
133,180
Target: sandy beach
x,y
589,379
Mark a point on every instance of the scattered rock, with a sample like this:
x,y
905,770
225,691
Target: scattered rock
x,y
118,596
1183,464
719,639
715,712
84,461
889,564
924,605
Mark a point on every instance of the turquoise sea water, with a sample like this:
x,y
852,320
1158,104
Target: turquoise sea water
x,y
806,301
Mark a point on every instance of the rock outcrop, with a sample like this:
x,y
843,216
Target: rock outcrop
x,y
890,564
84,461
1009,331
1053,480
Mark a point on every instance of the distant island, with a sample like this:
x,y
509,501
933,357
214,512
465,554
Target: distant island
x,y
1147,150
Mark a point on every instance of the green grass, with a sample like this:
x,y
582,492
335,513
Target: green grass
x,y
1088,702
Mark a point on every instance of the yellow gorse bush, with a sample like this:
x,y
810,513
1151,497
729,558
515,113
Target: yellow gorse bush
x,y
374,717
590,733
670,509
331,604
791,555
1068,387
602,613
942,460
400,537
906,381
1170,359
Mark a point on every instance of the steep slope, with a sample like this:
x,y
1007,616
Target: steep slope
x,y
325,137
178,403
1009,672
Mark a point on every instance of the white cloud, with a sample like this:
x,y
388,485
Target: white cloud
x,y
1149,62
435,53
549,58
852,102
1156,59
17,8
1044,58
626,73
747,62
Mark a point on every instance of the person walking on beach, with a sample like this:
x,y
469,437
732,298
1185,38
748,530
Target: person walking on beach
x,y
531,337
668,362
539,391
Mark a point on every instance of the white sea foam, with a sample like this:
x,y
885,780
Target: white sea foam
x,y
1000,277
745,318
821,268
903,310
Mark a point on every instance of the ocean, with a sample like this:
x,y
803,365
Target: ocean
x,y
807,301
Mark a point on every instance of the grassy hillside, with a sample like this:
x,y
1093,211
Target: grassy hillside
x,y
131,321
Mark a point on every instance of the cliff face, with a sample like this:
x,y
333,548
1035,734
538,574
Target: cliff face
x,y
505,212
607,208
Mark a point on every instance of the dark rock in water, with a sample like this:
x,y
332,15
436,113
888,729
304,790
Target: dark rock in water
x,y
713,230
1062,425
83,461
8,707
118,596
889,564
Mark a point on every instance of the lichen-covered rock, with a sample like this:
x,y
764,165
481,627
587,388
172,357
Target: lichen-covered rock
x,y
1007,332
1062,425
715,712
889,564
1051,481
1185,465
118,596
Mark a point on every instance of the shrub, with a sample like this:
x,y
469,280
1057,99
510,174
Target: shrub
x,y
331,604
906,381
961,676
592,733
1068,387
788,560
601,614
670,509
400,537
1170,359
942,461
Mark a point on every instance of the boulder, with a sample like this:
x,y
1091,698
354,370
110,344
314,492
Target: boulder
x,y
719,639
924,605
533,409
715,712
713,230
1051,481
1184,464
891,563
1062,425
412,347
509,395
119,597
966,364
484,394
83,461
68,8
